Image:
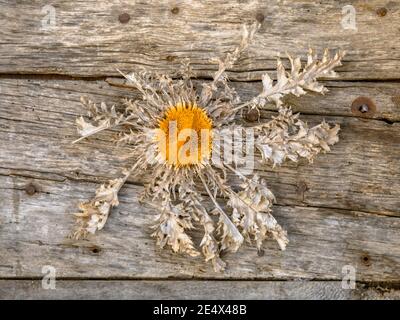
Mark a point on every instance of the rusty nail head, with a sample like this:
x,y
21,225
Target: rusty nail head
x,y
363,106
252,115
381,12
170,58
366,260
124,17
96,250
260,17
30,189
175,10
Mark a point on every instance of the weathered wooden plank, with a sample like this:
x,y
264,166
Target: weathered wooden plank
x,y
322,241
202,290
88,38
337,102
361,173
385,96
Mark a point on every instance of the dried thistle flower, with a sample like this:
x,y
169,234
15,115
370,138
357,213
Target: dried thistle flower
x,y
174,132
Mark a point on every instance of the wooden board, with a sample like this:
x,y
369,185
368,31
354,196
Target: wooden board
x,y
203,290
341,210
37,120
88,38
323,241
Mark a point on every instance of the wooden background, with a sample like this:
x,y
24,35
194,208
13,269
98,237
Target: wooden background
x,y
341,210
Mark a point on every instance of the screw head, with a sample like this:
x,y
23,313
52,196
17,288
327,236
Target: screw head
x,y
124,17
366,260
170,58
260,17
381,12
252,115
175,10
30,189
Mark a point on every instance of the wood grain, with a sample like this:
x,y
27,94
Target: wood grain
x,y
88,38
34,226
202,290
341,210
37,123
37,127
337,102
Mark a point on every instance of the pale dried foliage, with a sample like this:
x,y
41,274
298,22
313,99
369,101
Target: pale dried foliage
x,y
287,137
177,193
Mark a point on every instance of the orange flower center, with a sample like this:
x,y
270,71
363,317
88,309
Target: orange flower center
x,y
184,137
